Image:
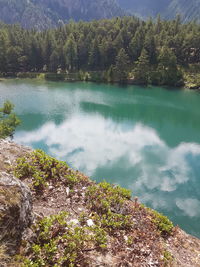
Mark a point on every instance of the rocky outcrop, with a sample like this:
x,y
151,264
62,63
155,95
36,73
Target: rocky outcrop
x,y
15,206
15,214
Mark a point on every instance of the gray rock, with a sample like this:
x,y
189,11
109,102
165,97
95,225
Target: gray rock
x,y
15,211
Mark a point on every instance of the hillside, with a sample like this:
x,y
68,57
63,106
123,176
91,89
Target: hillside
x,y
40,14
52,215
45,14
168,9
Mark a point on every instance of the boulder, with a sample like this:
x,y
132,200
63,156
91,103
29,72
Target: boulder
x,y
15,211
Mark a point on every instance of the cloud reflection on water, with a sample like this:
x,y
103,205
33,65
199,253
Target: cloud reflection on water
x,y
91,142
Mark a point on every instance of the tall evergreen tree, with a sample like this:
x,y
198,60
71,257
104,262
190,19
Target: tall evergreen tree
x,y
122,65
3,50
167,67
70,51
94,60
141,71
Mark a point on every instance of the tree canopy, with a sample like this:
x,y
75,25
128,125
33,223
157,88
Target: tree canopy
x,y
114,46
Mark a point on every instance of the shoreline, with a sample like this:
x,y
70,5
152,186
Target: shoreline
x,y
89,76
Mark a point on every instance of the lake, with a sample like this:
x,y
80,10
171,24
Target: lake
x,y
145,139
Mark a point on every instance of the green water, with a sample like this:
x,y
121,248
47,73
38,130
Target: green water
x,y
145,139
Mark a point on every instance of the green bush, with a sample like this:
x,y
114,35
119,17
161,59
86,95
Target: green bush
x,y
164,225
61,243
8,120
104,196
42,168
108,203
167,258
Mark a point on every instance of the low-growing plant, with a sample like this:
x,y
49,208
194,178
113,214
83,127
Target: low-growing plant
x,y
104,197
71,180
167,258
112,221
42,168
61,243
108,204
164,225
24,169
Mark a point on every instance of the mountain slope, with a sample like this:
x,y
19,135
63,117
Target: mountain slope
x,y
26,13
189,10
144,8
168,9
42,14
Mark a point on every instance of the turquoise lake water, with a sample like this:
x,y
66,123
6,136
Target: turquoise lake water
x,y
145,139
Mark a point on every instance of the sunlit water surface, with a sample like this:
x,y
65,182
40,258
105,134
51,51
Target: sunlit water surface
x,y
145,139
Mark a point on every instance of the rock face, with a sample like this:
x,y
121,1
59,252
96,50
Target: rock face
x,y
42,14
168,9
15,211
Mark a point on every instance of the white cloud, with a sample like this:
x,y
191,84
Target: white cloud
x,y
91,142
190,206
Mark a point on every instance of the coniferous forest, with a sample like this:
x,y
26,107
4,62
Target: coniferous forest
x,y
115,50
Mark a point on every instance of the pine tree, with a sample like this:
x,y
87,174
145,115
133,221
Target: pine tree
x,y
71,54
122,65
8,120
54,61
3,51
111,74
94,60
169,73
13,55
141,71
136,44
150,46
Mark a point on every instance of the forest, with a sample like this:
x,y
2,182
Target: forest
x,y
120,49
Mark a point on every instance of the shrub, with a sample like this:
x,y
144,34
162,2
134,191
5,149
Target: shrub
x,y
103,197
61,243
42,168
164,225
8,120
108,203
